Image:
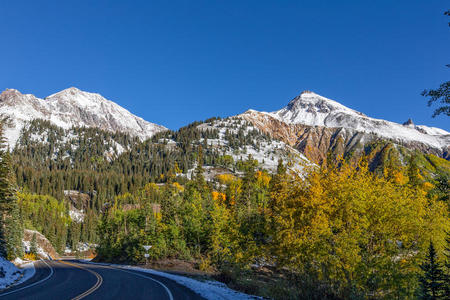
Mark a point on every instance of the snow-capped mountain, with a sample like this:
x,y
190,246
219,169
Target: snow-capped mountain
x,y
71,107
318,126
314,110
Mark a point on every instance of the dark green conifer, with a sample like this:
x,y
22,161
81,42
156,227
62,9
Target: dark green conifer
x,y
447,268
33,245
432,278
11,230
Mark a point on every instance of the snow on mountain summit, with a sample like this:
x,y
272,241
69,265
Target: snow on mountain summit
x,y
71,107
314,110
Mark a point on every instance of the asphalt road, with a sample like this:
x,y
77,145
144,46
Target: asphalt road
x,y
75,280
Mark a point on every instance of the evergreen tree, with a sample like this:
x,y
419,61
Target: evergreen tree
x,y
447,267
11,230
432,279
199,178
33,245
281,168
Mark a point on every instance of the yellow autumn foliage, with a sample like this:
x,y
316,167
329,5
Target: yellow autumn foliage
x,y
151,187
30,256
217,196
178,186
225,178
263,178
350,225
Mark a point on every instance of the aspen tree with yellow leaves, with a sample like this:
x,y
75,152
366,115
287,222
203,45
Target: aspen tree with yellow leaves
x,y
354,230
335,231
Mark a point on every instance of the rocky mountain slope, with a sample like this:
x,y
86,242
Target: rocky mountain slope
x,y
240,139
71,128
317,126
71,107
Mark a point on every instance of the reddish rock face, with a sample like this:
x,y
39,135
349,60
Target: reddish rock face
x,y
317,142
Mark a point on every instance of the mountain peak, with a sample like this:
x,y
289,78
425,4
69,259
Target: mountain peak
x,y
72,107
10,93
71,90
306,92
68,93
311,109
13,97
409,122
313,101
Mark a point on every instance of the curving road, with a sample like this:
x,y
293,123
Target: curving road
x,y
75,280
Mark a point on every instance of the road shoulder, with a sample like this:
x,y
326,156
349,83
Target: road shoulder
x,y
206,289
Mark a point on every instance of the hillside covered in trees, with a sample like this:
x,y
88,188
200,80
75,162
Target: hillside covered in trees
x,y
236,202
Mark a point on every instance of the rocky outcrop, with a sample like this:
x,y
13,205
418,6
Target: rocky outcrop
x,y
318,126
317,142
77,199
45,248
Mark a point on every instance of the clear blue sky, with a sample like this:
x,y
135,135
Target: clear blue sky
x,y
173,62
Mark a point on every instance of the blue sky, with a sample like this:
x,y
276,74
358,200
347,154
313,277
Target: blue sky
x,y
173,62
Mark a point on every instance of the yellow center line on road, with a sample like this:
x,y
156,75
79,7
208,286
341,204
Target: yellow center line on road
x,y
93,288
169,293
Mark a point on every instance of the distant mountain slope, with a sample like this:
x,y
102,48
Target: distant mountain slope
x,y
50,160
316,125
239,138
84,131
71,107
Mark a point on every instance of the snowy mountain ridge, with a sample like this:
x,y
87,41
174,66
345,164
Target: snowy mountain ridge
x,y
314,110
71,107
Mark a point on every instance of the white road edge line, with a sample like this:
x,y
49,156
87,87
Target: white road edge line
x,y
140,275
33,284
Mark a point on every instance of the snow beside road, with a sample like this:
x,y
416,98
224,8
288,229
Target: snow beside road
x,y
208,289
28,272
10,274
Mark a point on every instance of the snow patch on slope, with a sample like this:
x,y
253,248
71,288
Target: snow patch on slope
x,y
266,151
41,252
77,215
